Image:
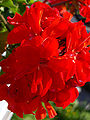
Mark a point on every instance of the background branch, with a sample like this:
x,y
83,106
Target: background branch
x,y
5,22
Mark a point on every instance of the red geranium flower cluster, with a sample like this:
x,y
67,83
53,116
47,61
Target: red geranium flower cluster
x,y
51,61
82,5
85,10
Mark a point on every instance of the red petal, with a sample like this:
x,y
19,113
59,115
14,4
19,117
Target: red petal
x,y
32,17
49,48
3,92
18,34
16,20
46,81
58,28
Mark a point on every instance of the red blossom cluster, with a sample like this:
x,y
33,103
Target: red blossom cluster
x,y
85,10
82,5
51,61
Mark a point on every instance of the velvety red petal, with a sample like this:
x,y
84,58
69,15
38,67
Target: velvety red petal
x,y
63,65
81,36
18,34
33,18
6,64
31,105
58,28
58,82
34,85
49,48
82,72
29,59
16,20
16,108
66,96
3,92
46,81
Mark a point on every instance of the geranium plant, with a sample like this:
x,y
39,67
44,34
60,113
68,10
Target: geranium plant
x,y
50,58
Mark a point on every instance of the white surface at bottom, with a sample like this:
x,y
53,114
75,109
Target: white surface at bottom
x,y
5,114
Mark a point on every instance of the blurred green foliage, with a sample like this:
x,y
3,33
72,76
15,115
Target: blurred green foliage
x,y
15,5
73,112
9,4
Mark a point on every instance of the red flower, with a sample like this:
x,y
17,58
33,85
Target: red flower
x,y
82,5
32,74
66,96
41,68
37,14
85,12
79,51
73,61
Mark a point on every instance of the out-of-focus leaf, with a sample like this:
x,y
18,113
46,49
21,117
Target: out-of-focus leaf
x,y
31,1
9,4
2,28
1,1
3,41
21,1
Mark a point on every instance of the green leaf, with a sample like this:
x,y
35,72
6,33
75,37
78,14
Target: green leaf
x,y
31,1
26,117
21,1
9,4
2,27
15,117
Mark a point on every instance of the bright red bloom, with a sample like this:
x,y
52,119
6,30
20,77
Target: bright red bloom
x,y
82,5
41,68
74,62
33,72
37,14
85,12
79,51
